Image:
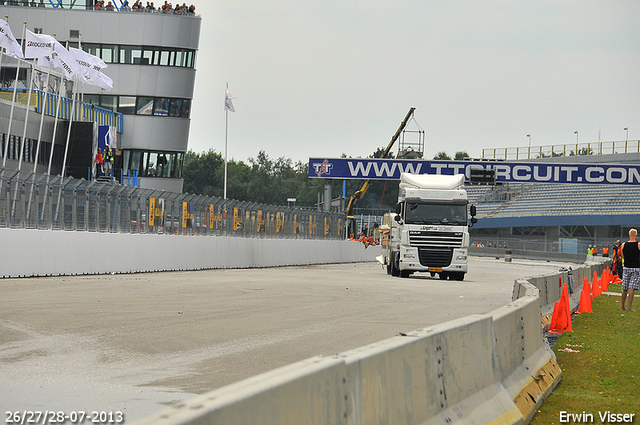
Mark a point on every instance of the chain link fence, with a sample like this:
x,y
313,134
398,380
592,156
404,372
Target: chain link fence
x,y
36,201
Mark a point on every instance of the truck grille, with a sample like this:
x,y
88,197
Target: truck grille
x,y
435,257
435,248
435,240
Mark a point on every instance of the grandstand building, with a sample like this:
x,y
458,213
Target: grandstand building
x,y
151,59
557,216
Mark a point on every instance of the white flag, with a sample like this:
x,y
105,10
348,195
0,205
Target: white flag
x,y
8,41
46,61
112,137
38,45
228,105
65,61
89,65
103,81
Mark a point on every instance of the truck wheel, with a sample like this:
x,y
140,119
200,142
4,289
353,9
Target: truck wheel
x,y
443,275
457,276
395,270
405,273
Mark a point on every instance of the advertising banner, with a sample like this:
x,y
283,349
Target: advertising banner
x,y
514,172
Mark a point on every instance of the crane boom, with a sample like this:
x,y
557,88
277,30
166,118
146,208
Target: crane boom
x,y
365,186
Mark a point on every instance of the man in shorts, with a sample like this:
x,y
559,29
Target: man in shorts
x,y
631,268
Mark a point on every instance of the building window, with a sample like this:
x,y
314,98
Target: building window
x,y
142,55
144,106
185,108
141,105
109,53
127,105
92,48
147,56
161,107
109,102
154,163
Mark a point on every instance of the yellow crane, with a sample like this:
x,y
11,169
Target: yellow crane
x,y
365,186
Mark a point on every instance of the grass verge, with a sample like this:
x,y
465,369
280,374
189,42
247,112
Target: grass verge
x,y
615,288
600,363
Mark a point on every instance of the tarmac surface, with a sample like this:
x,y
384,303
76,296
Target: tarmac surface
x,y
135,342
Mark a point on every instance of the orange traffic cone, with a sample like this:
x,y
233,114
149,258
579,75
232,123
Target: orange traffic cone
x,y
585,298
604,280
595,285
563,320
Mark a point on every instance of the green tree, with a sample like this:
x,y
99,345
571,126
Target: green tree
x,y
461,155
201,173
442,155
238,175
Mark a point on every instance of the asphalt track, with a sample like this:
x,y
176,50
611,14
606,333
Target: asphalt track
x,y
134,342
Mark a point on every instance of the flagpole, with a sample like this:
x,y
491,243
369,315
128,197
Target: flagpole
x,y
13,100
226,126
26,117
53,144
24,136
55,121
4,153
74,92
45,96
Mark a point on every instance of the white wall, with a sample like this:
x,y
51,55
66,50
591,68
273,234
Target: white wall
x,y
42,252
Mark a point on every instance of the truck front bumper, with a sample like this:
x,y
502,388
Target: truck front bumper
x,y
410,260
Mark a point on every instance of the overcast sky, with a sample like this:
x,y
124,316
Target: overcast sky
x,y
323,77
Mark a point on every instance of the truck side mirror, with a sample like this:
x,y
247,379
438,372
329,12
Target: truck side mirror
x,y
398,208
397,218
472,209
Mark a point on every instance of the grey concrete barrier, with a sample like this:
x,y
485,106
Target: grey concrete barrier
x,y
490,368
526,365
438,375
307,392
44,253
550,286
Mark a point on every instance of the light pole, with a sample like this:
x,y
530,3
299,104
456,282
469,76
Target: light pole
x,y
529,153
577,152
626,138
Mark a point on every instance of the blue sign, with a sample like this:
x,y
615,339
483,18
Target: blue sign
x,y
513,172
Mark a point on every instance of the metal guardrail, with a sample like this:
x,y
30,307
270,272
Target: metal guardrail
x,y
569,149
36,201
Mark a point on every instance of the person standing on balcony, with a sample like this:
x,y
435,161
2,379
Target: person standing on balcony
x,y
108,160
630,269
97,166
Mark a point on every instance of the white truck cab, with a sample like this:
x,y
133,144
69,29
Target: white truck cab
x,y
429,232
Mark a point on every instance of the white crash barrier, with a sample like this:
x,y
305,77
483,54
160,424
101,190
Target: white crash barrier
x,y
25,252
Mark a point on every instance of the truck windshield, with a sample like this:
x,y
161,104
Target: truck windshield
x,y
434,213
